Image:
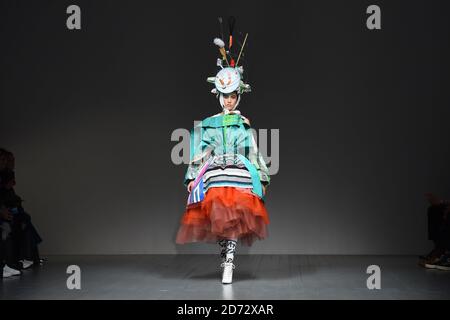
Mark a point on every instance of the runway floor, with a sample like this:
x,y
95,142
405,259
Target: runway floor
x,y
191,277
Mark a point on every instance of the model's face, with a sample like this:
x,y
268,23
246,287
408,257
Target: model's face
x,y
229,100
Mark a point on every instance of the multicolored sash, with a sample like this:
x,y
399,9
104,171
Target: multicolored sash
x,y
197,192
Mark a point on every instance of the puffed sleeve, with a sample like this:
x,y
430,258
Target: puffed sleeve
x,y
257,159
201,147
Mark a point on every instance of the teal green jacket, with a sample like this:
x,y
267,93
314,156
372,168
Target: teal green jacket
x,y
227,134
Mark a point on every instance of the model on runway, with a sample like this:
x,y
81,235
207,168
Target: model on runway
x,y
227,176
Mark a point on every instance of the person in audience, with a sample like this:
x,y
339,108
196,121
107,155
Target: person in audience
x,y
439,233
6,217
19,237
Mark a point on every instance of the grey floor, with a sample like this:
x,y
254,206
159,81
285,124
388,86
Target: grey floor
x,y
256,277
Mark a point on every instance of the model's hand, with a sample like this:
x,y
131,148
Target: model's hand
x,y
264,190
189,187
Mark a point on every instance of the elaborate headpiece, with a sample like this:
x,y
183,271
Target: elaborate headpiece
x,y
230,76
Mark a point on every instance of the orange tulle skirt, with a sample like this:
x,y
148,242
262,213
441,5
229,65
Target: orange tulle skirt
x,y
224,213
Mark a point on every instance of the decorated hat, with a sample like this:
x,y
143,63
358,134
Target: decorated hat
x,y
230,76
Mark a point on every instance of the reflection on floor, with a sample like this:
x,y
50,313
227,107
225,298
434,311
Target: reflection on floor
x,y
256,277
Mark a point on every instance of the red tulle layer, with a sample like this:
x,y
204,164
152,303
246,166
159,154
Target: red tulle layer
x,y
224,213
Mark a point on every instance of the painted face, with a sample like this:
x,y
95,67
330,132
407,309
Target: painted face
x,y
229,100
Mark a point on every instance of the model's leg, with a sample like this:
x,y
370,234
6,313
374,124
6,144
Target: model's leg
x,y
228,266
230,250
223,245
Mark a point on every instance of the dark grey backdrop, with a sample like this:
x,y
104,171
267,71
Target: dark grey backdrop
x,y
363,119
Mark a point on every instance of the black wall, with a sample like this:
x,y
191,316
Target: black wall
x,y
363,117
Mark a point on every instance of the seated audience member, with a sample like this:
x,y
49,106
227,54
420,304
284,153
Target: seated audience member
x,y
439,233
21,241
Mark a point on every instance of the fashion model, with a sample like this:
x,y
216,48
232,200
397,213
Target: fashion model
x,y
227,177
